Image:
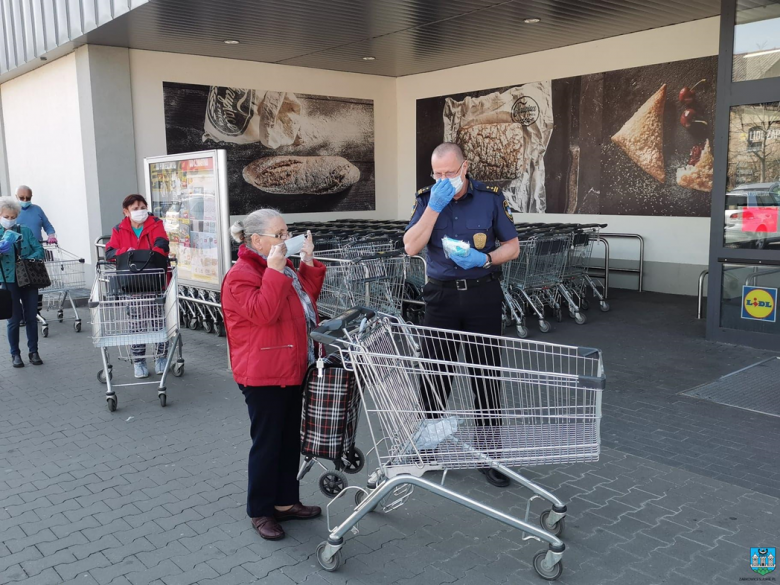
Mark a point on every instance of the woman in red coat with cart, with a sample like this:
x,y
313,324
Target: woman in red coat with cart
x,y
269,310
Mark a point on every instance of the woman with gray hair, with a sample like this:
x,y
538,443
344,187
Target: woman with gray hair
x,y
269,310
18,240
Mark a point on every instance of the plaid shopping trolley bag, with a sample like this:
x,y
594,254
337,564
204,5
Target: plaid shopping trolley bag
x,y
331,408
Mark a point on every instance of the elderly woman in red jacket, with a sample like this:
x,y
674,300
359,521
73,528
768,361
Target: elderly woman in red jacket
x,y
269,310
140,230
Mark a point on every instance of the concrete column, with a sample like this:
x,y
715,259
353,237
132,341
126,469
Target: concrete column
x,y
108,139
5,186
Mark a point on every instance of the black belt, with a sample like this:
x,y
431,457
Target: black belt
x,y
464,283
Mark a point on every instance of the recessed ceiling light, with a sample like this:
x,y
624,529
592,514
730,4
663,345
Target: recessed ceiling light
x,y
369,58
231,42
532,20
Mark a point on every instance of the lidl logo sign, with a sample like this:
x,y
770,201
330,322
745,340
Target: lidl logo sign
x,y
759,304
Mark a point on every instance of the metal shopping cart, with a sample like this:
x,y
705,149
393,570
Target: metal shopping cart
x,y
66,272
536,404
132,311
575,276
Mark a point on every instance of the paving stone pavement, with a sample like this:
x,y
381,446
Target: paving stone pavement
x,y
147,494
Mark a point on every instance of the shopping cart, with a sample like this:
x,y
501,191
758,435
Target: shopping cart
x,y
136,309
575,276
539,404
66,272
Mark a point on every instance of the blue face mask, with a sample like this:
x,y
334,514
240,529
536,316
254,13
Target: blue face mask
x,y
26,204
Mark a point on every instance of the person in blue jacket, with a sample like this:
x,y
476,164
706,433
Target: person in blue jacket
x,y
33,216
15,238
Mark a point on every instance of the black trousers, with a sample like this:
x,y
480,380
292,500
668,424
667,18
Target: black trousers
x,y
476,310
275,426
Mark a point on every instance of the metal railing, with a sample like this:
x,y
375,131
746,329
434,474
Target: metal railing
x,y
639,271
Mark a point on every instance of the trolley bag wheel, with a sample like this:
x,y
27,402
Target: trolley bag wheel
x,y
208,326
584,304
193,323
77,326
548,574
604,306
580,318
329,565
178,369
163,399
101,376
45,330
360,497
332,483
544,326
111,401
554,529
355,464
60,315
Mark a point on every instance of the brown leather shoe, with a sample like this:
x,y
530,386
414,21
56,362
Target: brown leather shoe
x,y
268,527
298,512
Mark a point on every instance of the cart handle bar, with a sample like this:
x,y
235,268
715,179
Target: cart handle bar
x,y
323,333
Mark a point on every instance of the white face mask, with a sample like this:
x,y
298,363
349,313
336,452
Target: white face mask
x,y
139,215
456,183
294,245
7,223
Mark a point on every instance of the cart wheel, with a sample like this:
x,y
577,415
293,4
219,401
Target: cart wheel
x,y
333,563
360,461
332,482
220,330
548,574
60,316
580,318
163,399
208,326
544,326
522,331
77,326
101,376
45,330
111,401
604,306
554,529
584,304
193,324
559,315
178,369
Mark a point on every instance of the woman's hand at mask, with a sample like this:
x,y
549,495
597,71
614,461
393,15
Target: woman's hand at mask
x,y
307,251
277,258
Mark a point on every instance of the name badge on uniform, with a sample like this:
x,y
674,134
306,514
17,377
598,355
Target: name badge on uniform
x,y
480,240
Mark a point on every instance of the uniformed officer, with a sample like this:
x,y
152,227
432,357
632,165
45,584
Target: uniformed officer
x,y
462,293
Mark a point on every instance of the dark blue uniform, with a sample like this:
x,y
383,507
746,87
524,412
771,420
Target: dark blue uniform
x,y
481,217
465,300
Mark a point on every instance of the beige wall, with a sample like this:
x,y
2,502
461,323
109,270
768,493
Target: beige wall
x,y
148,70
671,241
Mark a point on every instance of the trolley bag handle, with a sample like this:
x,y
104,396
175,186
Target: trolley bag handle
x,y
322,334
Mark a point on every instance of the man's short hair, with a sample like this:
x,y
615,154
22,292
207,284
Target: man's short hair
x,y
24,188
446,148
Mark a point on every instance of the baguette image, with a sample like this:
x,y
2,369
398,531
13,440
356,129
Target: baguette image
x,y
495,151
301,175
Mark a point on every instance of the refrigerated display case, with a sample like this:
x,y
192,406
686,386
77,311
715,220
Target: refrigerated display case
x,y
189,193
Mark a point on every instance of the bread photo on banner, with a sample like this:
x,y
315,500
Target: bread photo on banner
x,y
642,136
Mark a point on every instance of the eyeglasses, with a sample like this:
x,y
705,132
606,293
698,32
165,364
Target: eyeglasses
x,y
450,175
279,236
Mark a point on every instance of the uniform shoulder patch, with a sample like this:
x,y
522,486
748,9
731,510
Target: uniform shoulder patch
x,y
508,210
494,189
414,208
424,190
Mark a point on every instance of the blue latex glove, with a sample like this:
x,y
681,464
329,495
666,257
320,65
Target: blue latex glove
x,y
441,194
11,236
474,259
5,246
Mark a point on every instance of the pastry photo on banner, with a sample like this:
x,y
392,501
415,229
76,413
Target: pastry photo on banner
x,y
630,142
295,152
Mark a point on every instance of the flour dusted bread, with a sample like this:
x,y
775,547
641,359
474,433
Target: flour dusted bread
x,y
642,137
494,151
698,176
301,175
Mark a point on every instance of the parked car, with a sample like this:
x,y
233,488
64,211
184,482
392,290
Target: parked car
x,y
752,215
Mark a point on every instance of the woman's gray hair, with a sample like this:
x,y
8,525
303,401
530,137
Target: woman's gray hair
x,y
256,222
11,204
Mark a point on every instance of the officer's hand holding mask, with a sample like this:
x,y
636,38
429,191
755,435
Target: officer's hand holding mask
x,y
474,259
441,194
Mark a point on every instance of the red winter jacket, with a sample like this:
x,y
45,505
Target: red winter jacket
x,y
265,322
153,237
